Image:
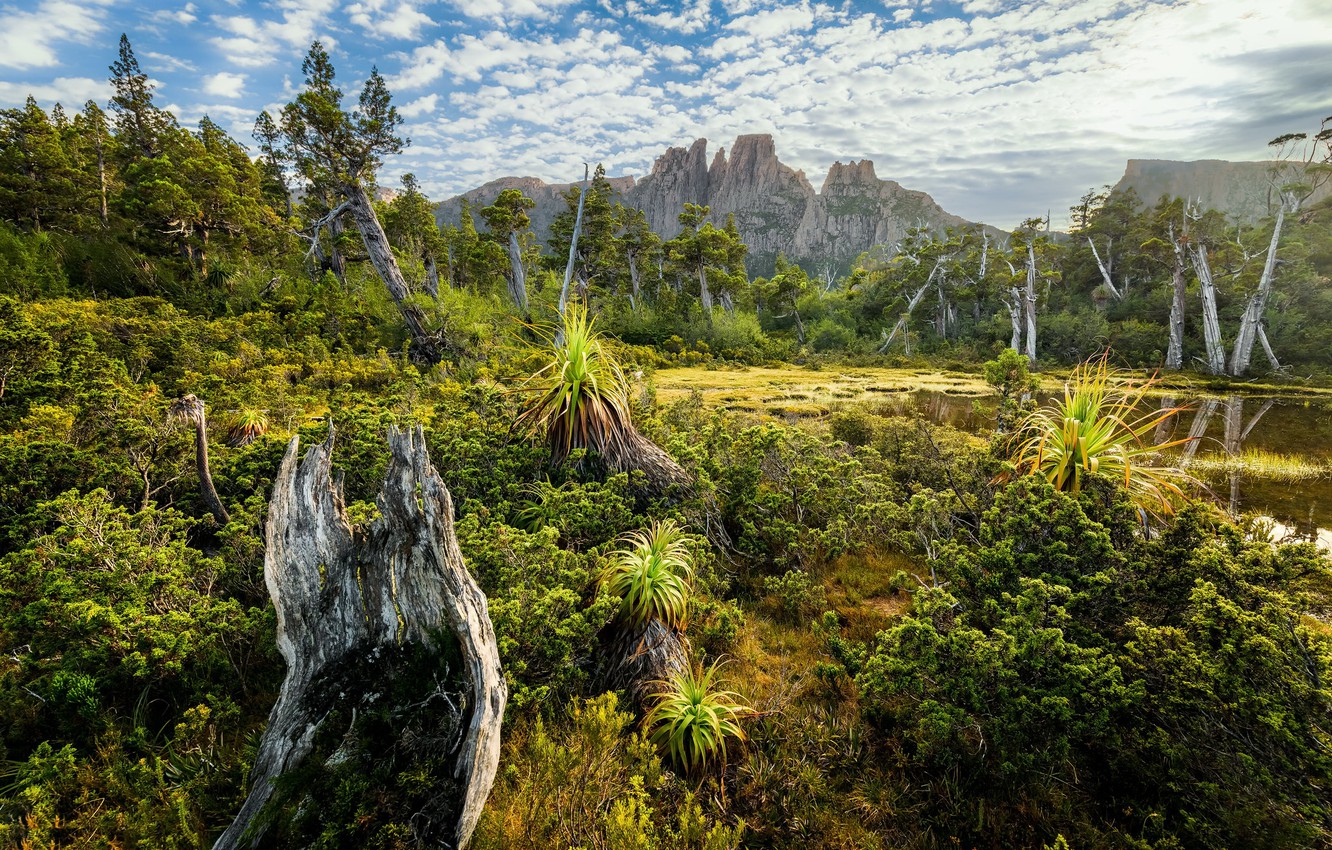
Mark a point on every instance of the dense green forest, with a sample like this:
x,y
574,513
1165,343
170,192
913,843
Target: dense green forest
x,y
907,640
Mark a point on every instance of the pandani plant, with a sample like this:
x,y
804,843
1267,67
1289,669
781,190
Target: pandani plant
x,y
1096,429
247,426
581,401
693,717
653,576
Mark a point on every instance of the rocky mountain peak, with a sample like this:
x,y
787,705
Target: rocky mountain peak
x,y
856,173
775,206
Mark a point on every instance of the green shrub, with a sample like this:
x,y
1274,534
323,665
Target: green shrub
x,y
852,426
797,596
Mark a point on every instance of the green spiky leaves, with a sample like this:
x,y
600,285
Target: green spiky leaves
x,y
693,717
246,426
582,400
1096,429
652,575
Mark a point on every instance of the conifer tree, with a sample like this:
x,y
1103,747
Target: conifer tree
x,y
140,125
339,152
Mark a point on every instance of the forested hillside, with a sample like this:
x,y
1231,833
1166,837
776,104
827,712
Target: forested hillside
x,y
877,631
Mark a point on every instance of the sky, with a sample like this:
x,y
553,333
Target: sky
x,y
1001,110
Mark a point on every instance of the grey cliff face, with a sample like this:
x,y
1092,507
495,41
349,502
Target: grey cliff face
x,y
1242,190
776,208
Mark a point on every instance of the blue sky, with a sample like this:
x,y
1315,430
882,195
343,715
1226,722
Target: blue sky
x,y
1000,110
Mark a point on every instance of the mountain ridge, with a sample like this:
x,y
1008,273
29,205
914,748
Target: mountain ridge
x,y
776,208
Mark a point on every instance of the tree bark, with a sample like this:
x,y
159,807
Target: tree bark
x,y
1267,348
640,658
101,178
573,251
1216,349
635,293
190,409
1178,305
1242,353
517,274
704,294
905,317
432,276
211,498
1105,272
1030,305
344,596
1014,305
381,257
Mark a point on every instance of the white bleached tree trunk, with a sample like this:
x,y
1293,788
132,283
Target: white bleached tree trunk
x,y
906,315
1178,304
342,596
380,252
1216,349
1251,321
1106,277
517,274
1029,304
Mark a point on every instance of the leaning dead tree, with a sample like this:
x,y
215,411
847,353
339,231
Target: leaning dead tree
x,y
348,603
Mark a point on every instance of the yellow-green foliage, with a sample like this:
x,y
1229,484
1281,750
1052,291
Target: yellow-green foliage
x,y
693,717
581,397
652,576
588,779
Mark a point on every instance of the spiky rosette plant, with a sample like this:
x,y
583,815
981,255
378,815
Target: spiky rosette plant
x,y
652,575
581,401
247,426
1096,429
693,718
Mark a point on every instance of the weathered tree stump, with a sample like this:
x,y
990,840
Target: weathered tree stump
x,y
640,658
344,597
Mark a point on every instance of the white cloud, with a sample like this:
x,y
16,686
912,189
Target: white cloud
x,y
30,39
255,43
167,62
383,19
774,22
420,106
688,17
73,92
510,9
185,15
224,84
471,58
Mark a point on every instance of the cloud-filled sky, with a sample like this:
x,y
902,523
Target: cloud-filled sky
x,y
999,109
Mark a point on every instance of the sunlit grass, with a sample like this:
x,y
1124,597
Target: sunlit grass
x,y
1260,463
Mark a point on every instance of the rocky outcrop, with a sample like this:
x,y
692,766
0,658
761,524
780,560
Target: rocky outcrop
x,y
776,208
1239,189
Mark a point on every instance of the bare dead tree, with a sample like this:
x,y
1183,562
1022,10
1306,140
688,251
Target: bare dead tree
x,y
345,597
